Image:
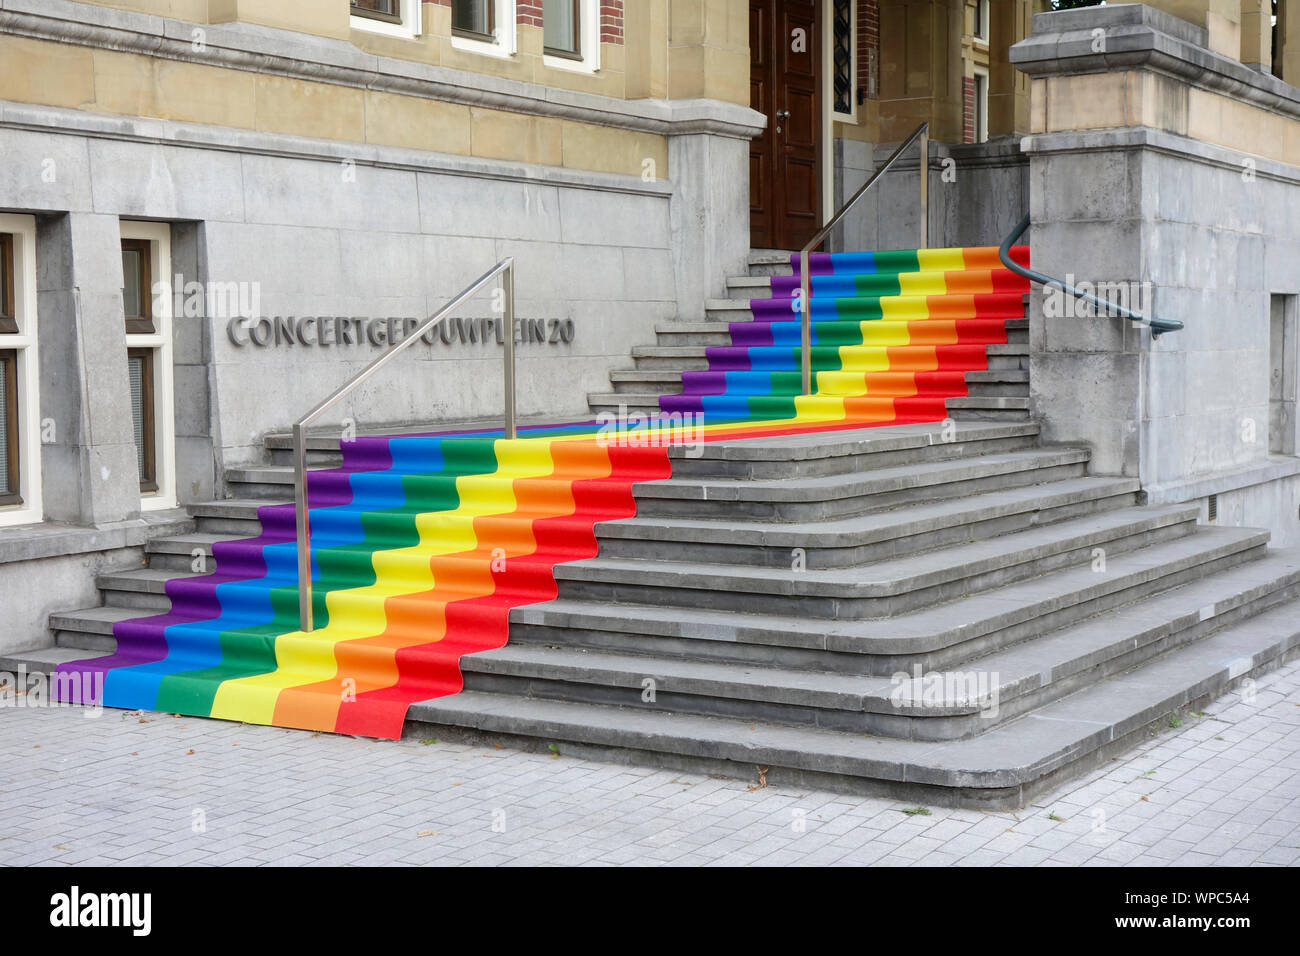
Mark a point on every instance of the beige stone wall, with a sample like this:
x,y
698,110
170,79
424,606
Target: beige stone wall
x,y
708,50
1134,98
107,81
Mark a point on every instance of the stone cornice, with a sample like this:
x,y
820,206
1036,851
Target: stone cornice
x,y
259,49
1135,36
52,120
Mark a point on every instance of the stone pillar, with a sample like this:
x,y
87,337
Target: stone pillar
x,y
1169,176
1257,34
708,146
1009,23
921,68
708,50
89,467
303,16
1288,42
646,29
1220,18
709,216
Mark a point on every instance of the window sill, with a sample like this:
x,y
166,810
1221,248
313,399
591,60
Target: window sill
x,y
496,49
570,64
402,31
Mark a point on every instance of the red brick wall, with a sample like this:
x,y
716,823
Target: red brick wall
x,y
611,21
611,17
968,109
868,41
529,12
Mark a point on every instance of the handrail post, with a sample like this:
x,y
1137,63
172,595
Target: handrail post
x,y
508,317
805,321
506,269
925,189
304,528
922,132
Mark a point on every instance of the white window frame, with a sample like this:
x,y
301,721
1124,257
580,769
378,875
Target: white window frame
x,y
506,42
31,511
589,43
408,29
981,109
159,236
982,13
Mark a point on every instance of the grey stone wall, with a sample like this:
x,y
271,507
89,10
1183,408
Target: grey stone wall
x,y
1212,235
394,236
978,192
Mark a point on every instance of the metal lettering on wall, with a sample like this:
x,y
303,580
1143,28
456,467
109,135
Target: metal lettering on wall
x,y
340,331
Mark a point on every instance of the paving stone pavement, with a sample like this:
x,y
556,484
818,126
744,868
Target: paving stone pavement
x,y
141,789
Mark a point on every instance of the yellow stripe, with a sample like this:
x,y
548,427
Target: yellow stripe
x,y
359,612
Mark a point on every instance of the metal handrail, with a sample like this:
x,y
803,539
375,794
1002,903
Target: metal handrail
x,y
1158,326
506,269
805,281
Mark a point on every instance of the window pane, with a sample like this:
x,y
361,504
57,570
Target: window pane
x,y
4,429
560,25
6,275
387,7
131,276
470,15
136,365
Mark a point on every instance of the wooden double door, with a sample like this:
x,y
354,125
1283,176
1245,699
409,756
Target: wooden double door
x,y
785,183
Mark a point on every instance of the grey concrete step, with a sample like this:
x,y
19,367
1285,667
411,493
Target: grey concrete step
x,y
770,263
841,495
680,357
267,483
749,287
693,333
623,405
1005,767
850,450
987,394
842,542
90,628
143,589
659,381
881,589
961,702
191,552
934,636
233,517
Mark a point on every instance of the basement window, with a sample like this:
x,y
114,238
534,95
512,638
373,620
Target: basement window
x,y
20,450
1283,357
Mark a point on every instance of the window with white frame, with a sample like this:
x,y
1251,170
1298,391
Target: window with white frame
x,y
483,26
982,20
20,448
147,312
399,18
981,105
571,34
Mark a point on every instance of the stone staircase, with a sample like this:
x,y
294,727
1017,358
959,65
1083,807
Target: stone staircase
x,y
1000,393
948,612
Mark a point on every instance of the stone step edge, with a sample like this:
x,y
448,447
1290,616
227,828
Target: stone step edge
x,y
1019,667
1013,756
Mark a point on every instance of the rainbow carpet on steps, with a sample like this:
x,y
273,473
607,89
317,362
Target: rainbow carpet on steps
x,y
421,545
